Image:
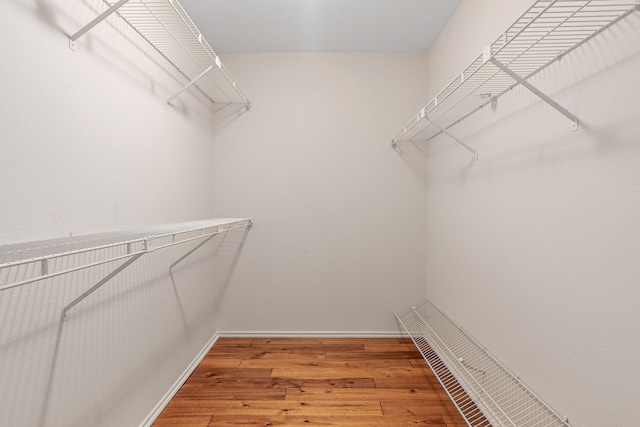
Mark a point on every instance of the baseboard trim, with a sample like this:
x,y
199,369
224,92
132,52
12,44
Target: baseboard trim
x,y
155,413
298,334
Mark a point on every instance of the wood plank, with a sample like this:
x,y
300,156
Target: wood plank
x,y
325,343
299,345
252,355
313,363
380,347
417,408
280,407
418,363
457,421
262,383
329,421
207,373
367,355
321,372
354,394
231,393
413,353
233,342
210,363
409,382
246,383
273,352
335,383
183,421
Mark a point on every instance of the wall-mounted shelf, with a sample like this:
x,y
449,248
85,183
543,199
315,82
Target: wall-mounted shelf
x,y
168,28
548,30
485,392
25,263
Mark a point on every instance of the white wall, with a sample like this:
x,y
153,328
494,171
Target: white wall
x,y
88,145
534,248
338,242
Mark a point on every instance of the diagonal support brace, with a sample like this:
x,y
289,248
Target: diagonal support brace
x,y
98,19
185,87
99,284
536,91
446,132
183,257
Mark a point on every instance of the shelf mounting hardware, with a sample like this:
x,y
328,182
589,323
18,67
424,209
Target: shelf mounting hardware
x,y
129,245
182,258
99,284
543,34
191,82
449,134
98,19
148,246
537,92
167,27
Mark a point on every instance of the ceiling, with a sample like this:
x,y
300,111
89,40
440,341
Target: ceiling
x,y
320,25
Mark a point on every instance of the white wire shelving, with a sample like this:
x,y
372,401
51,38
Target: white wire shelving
x,y
486,393
546,32
172,33
25,263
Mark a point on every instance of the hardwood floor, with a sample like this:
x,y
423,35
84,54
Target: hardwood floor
x,y
311,382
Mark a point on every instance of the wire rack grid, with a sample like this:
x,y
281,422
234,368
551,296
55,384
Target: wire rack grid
x,y
485,392
548,30
24,263
170,30
166,26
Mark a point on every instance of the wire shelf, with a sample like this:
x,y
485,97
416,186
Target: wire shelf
x,y
485,392
37,258
548,30
171,32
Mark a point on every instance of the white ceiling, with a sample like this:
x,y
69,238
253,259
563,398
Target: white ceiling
x,y
320,25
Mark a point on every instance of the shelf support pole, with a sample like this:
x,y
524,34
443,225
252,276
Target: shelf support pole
x,y
99,284
450,135
98,19
183,257
185,87
537,92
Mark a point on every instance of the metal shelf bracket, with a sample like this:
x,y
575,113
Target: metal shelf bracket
x,y
182,258
98,285
98,19
449,134
129,246
537,92
544,33
167,27
147,246
190,83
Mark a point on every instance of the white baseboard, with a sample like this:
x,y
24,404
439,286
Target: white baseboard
x,y
155,413
298,334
